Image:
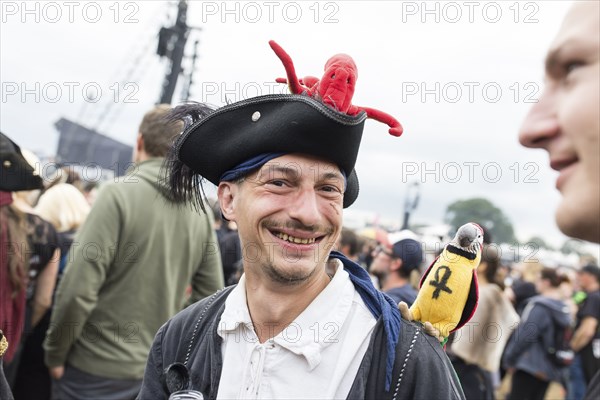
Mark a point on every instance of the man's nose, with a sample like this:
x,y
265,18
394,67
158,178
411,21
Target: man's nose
x,y
305,207
541,123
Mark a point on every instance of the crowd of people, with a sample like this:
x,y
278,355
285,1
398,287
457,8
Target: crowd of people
x,y
521,307
261,292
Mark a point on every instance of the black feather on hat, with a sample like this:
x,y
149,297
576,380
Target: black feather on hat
x,y
181,183
216,141
15,172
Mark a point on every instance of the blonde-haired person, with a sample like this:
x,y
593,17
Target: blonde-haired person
x,y
66,208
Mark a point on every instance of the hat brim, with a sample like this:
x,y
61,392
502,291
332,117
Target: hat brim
x,y
273,123
15,172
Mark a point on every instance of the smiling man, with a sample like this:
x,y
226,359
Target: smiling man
x,y
566,123
566,120
284,166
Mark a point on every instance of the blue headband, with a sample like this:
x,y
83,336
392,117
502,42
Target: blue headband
x,y
255,163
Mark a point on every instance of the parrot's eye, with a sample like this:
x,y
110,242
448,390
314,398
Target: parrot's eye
x,y
333,76
348,81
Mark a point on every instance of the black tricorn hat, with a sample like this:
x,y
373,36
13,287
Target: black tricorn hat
x,y
15,172
214,142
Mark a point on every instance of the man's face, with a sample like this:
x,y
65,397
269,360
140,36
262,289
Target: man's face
x,y
586,281
289,216
382,264
566,120
541,284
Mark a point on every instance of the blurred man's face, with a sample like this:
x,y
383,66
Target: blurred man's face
x,y
541,284
380,267
586,281
566,120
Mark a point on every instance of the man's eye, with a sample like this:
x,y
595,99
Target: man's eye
x,y
571,66
331,188
277,182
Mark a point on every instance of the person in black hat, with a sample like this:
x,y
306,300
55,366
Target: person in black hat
x,y
284,167
393,267
24,296
16,174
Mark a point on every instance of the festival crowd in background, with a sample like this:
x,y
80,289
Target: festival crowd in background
x,y
510,338
91,271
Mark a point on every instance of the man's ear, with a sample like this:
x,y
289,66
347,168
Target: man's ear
x,y
140,143
226,193
139,148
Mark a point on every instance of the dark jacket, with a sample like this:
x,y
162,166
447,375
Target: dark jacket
x,y
404,293
527,347
5,393
421,371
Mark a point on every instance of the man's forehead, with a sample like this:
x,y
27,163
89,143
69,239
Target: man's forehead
x,y
581,26
302,165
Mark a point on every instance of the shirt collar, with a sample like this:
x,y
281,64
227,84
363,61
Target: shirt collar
x,y
236,310
313,330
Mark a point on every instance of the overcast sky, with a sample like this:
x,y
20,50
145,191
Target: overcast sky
x,y
460,76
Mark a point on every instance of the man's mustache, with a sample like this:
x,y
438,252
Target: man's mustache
x,y
297,226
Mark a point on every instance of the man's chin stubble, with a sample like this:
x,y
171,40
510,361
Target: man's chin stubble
x,y
288,279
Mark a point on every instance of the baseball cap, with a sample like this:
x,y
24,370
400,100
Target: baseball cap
x,y
410,252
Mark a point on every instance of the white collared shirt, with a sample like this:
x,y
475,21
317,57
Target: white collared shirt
x,y
317,356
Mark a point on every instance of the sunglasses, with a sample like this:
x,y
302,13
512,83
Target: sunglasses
x,y
384,250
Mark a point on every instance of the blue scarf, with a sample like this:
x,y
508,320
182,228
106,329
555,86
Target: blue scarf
x,y
380,305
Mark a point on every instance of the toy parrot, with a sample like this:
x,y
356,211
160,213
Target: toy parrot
x,y
448,291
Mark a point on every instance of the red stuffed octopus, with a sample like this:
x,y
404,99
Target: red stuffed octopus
x,y
335,88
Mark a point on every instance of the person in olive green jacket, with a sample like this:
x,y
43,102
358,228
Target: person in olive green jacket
x,y
128,271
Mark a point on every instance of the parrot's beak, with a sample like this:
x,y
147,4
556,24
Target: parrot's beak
x,y
465,242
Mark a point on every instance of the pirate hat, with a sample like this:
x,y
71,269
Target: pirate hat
x,y
236,139
216,141
15,172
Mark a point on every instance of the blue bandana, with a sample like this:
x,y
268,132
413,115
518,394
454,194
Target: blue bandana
x,y
380,305
253,164
248,166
